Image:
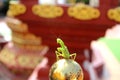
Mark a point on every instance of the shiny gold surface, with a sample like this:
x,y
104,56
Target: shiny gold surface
x,y
66,69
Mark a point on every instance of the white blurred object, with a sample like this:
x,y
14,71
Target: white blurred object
x,y
5,31
97,59
89,67
111,63
47,2
61,1
113,32
94,3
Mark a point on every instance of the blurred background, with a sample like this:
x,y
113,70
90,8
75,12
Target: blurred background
x,y
29,28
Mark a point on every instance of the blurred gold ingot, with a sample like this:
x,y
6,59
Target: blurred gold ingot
x,y
36,9
111,13
96,13
114,14
58,11
6,57
47,11
71,11
83,12
23,61
16,9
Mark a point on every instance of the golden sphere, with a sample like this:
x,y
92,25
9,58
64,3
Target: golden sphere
x,y
66,69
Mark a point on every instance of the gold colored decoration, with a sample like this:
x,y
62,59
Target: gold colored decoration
x,y
83,12
25,51
16,9
7,57
30,60
114,14
47,11
22,60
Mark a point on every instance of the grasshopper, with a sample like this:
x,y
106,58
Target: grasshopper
x,y
63,51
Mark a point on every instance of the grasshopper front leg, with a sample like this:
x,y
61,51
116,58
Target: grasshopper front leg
x,y
73,56
60,49
58,54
